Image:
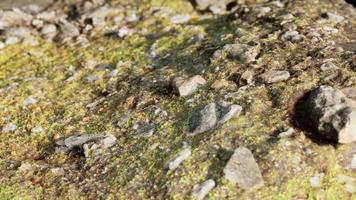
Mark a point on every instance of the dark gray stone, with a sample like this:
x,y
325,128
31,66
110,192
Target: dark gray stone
x,y
211,116
332,113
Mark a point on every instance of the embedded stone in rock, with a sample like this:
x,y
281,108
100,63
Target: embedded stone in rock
x,y
210,116
185,87
243,52
201,190
173,163
330,113
77,141
243,170
274,76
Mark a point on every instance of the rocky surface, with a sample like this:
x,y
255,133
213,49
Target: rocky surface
x,y
106,66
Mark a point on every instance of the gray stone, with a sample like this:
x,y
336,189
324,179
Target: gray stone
x,y
49,31
180,19
345,179
91,78
131,18
37,129
19,32
58,171
8,88
173,163
243,52
243,170
29,101
334,17
274,76
68,29
25,167
215,5
108,141
77,141
316,179
10,127
292,36
290,132
332,113
145,130
12,40
14,17
328,66
211,116
201,190
124,31
186,87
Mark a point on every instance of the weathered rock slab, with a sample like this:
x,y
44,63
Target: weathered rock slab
x,y
243,170
186,87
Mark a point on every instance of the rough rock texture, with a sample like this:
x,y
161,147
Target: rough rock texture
x,y
243,170
185,87
332,114
110,72
243,52
211,116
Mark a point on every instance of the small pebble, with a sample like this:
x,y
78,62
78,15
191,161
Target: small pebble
x,y
9,128
29,101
